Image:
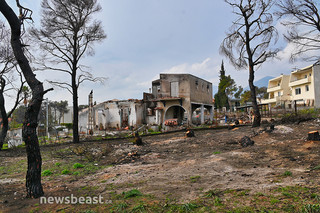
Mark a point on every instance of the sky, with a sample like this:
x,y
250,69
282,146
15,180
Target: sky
x,y
149,37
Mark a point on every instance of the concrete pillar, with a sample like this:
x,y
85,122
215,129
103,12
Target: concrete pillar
x,y
157,116
202,114
211,113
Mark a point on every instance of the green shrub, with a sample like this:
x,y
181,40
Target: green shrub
x,y
46,172
287,173
65,172
132,193
78,165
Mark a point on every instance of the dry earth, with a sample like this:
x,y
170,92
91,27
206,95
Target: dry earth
x,y
181,168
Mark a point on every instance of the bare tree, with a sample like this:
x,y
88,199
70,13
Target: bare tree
x,y
67,34
7,64
33,177
248,40
302,18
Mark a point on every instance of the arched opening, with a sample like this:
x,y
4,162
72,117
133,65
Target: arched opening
x,y
176,112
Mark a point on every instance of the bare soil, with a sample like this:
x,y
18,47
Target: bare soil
x,y
176,167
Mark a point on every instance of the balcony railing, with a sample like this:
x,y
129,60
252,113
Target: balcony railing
x,y
300,81
272,89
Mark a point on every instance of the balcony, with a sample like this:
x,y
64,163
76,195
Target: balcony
x,y
277,99
272,89
300,81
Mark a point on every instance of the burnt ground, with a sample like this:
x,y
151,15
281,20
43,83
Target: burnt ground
x,y
170,166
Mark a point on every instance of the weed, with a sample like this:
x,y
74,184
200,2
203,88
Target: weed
x,y
78,165
315,196
274,201
217,201
139,208
287,194
132,193
311,208
47,173
316,167
210,193
57,164
287,174
88,211
65,172
188,207
194,179
216,153
76,173
121,207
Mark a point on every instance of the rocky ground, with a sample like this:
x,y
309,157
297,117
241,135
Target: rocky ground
x,y
170,166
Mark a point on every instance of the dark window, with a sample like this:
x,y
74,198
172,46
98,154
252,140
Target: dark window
x,y
298,91
307,88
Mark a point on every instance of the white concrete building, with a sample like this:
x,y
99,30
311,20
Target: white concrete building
x,y
112,114
302,86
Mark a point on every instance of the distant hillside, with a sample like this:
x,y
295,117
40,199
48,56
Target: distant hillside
x,y
263,82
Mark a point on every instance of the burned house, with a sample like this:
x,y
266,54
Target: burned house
x,y
175,97
113,114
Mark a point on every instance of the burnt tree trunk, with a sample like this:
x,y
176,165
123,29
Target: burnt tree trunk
x,y
257,117
75,109
33,177
5,123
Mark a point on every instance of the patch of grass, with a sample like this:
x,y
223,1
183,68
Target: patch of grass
x,y
65,172
188,207
120,207
194,179
316,168
77,165
210,193
46,172
216,153
310,208
315,196
274,201
287,174
58,164
132,193
139,208
288,194
217,201
76,173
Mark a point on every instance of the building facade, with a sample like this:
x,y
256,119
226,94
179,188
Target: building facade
x,y
113,114
301,87
177,96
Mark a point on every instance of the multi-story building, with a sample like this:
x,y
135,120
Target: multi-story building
x,y
279,91
177,96
302,87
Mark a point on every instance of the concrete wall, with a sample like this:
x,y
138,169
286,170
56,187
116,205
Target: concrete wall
x,y
316,80
108,115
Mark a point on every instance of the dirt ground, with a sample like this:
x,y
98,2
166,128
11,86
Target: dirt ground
x,y
171,165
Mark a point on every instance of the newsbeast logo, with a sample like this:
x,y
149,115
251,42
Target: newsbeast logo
x,y
74,200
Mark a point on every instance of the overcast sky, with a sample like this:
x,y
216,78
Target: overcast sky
x,y
149,37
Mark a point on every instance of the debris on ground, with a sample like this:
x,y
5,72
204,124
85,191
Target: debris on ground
x,y
246,141
190,133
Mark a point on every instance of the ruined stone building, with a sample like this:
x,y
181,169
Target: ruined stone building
x,y
113,114
174,98
177,97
